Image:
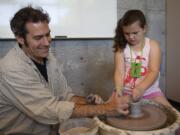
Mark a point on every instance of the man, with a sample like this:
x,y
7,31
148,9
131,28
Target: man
x,y
33,91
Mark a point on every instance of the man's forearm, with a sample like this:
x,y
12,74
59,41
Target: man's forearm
x,y
79,100
93,110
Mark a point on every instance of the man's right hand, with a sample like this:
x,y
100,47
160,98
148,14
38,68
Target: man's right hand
x,y
115,106
119,103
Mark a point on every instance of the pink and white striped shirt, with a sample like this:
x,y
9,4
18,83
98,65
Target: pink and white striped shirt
x,y
143,57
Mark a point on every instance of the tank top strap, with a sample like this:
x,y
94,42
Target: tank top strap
x,y
146,49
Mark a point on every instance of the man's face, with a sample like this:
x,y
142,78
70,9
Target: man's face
x,y
37,42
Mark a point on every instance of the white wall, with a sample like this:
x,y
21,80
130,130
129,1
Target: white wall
x,y
73,18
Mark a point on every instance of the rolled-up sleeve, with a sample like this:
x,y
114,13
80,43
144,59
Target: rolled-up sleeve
x,y
34,99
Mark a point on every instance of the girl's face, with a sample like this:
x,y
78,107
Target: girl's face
x,y
134,34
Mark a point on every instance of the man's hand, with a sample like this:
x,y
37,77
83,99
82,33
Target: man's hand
x,y
94,99
119,103
116,105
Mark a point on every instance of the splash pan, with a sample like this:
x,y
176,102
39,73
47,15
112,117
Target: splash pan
x,y
153,118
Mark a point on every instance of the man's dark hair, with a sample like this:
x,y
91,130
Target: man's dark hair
x,y
25,15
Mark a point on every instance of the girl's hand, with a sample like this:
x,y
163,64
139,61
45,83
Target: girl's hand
x,y
137,94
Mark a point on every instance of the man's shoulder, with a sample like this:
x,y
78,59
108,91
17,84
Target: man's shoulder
x,y
10,61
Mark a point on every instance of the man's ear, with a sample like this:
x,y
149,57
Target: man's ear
x,y
20,40
145,28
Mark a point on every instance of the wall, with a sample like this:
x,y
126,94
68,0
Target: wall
x,y
173,47
67,17
88,63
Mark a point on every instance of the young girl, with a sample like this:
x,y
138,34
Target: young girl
x,y
137,59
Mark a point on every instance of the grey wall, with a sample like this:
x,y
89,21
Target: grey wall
x,y
88,63
173,40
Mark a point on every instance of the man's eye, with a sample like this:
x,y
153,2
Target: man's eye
x,y
37,38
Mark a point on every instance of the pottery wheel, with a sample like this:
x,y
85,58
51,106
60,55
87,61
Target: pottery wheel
x,y
152,118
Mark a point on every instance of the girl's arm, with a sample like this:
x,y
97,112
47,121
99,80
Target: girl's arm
x,y
154,68
119,70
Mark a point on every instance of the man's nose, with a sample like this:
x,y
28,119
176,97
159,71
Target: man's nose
x,y
46,40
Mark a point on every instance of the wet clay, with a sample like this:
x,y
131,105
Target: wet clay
x,y
136,109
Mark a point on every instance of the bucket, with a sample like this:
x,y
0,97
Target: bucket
x,y
171,125
79,126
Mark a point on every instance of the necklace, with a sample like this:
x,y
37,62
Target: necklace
x,y
135,70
